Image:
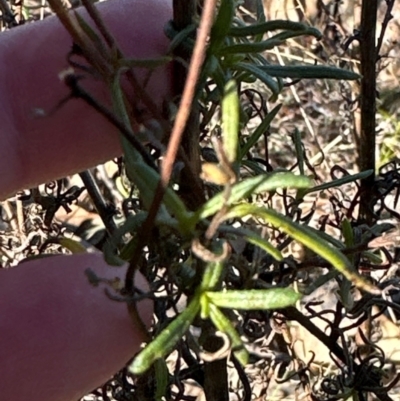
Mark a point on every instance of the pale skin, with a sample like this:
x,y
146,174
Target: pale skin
x,y
60,337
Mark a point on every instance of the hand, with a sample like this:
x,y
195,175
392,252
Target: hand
x,y
60,336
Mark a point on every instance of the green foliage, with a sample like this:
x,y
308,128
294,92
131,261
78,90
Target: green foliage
x,y
234,52
193,245
230,121
275,298
166,340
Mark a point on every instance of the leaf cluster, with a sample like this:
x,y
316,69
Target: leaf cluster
x,y
190,254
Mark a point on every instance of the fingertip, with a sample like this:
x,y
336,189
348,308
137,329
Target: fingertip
x,y
61,336
74,137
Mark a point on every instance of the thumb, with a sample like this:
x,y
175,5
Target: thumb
x,y
61,337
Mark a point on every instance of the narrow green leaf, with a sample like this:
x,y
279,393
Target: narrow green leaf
x,y
111,254
223,324
268,26
344,291
230,120
180,38
253,238
258,73
212,275
340,181
129,248
285,35
260,11
298,145
222,24
254,166
264,245
131,225
260,130
72,245
214,70
274,298
166,341
252,186
204,308
348,234
146,178
256,47
110,248
375,259
309,72
307,237
161,379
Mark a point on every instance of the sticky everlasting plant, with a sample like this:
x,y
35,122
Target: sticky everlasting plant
x,y
198,254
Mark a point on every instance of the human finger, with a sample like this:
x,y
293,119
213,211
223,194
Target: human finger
x,y
37,149
61,337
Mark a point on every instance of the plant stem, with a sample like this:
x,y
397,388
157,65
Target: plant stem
x,y
368,105
191,190
98,200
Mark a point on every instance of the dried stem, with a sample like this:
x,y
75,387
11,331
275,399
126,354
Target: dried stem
x,y
98,200
368,105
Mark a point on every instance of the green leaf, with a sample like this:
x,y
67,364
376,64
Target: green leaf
x,y
256,47
212,275
180,38
110,249
145,177
260,11
268,26
166,341
260,130
348,233
111,256
129,248
71,244
307,237
293,34
223,324
258,73
265,245
274,298
375,259
253,238
230,120
252,186
340,181
214,70
309,72
298,145
254,166
161,379
344,291
222,24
